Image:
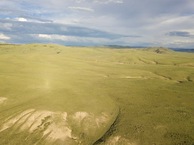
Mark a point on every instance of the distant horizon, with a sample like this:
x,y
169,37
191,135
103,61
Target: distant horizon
x,y
110,46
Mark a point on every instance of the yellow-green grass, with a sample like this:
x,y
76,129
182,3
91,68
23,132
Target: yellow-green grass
x,y
147,95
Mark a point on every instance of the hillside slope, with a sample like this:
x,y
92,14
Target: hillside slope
x,y
52,94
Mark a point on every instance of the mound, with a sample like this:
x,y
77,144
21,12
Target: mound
x,y
159,50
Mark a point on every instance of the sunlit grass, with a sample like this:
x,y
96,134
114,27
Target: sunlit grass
x,y
153,91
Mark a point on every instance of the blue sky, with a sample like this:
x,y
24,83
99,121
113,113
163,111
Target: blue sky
x,y
166,23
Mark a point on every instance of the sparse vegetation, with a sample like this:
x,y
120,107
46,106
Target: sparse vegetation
x,y
52,94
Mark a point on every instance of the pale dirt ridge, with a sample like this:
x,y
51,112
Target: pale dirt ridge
x,y
60,126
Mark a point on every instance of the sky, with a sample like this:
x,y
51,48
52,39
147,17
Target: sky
x,y
149,23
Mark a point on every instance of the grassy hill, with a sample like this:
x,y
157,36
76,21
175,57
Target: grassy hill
x,y
51,94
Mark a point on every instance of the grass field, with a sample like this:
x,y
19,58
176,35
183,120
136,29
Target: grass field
x,y
51,94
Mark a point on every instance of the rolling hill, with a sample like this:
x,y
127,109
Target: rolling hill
x,y
52,94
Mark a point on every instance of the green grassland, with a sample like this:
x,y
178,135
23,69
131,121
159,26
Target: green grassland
x,y
52,94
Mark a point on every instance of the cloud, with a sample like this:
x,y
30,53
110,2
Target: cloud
x,y
4,37
31,19
82,9
45,36
108,1
6,26
21,19
25,27
179,33
181,43
34,32
83,41
74,39
159,22
99,1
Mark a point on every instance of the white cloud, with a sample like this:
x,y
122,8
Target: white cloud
x,y
182,41
82,9
108,1
72,38
79,1
177,20
4,37
21,19
119,1
45,36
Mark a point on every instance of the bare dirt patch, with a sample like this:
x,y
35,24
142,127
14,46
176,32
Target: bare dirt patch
x,y
58,126
134,77
118,140
2,100
79,116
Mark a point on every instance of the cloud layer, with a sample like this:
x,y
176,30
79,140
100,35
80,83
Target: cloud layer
x,y
167,23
